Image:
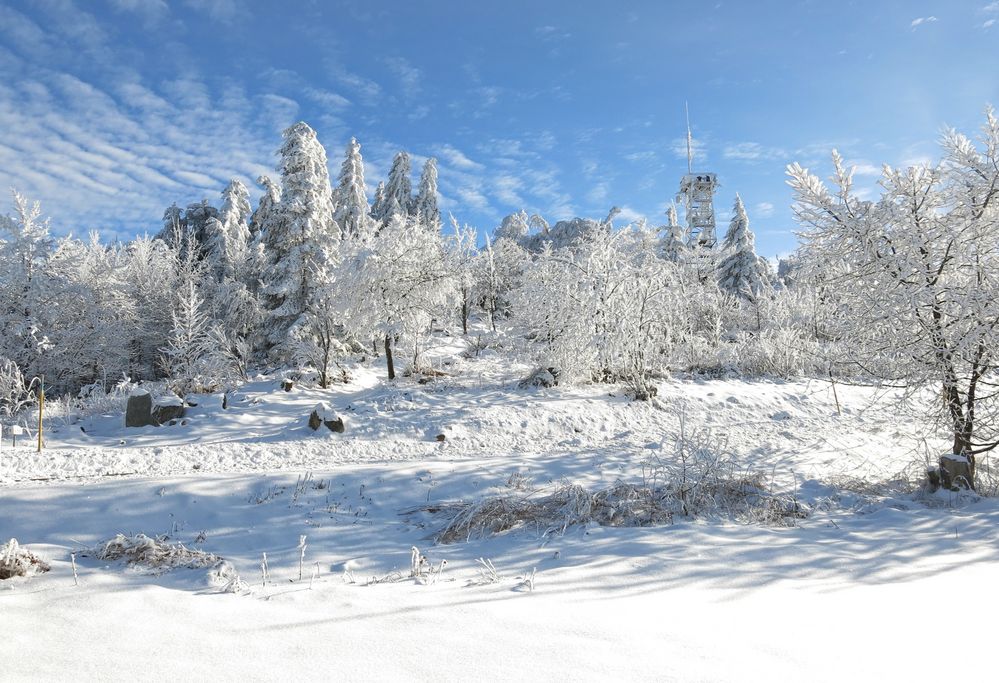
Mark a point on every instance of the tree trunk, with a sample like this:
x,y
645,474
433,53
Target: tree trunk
x,y
464,313
388,357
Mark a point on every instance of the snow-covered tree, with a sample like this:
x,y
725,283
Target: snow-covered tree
x,y
461,246
25,250
88,314
395,285
188,343
270,198
351,203
597,311
235,216
149,276
673,241
741,272
425,205
321,344
300,240
378,205
513,227
917,275
398,195
497,271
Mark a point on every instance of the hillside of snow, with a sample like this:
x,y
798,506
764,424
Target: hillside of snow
x,y
851,588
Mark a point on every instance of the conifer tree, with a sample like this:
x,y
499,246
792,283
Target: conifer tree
x,y
425,205
351,205
741,272
399,189
300,240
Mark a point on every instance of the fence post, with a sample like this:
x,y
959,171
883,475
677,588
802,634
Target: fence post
x,y
41,410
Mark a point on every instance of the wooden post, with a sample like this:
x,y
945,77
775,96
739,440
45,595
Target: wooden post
x,y
41,410
835,395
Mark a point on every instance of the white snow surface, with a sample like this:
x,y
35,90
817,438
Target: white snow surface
x,y
858,590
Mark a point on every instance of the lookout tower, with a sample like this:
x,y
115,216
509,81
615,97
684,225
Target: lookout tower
x,y
696,194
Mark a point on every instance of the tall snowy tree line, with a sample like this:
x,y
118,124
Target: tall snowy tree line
x,y
314,272
903,288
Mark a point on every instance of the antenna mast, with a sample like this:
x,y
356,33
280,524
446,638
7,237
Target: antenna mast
x,y
696,194
690,160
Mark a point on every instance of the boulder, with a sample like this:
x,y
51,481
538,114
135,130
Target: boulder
x,y
167,409
323,414
138,411
542,377
287,384
957,471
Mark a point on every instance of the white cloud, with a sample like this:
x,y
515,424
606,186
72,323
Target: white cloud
x,y
598,194
219,10
488,95
551,33
112,159
455,157
764,209
647,155
368,90
752,151
150,9
698,148
327,99
506,188
629,215
920,21
409,76
864,168
473,197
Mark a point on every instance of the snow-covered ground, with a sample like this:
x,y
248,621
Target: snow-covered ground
x,y
868,586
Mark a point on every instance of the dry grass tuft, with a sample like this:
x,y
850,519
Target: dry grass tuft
x,y
16,561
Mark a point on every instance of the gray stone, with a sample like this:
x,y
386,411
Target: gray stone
x,y
957,472
138,412
323,414
167,409
542,377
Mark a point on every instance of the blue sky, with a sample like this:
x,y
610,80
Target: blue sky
x,y
110,110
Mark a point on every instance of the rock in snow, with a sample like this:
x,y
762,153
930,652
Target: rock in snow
x,y
323,414
542,377
138,411
167,408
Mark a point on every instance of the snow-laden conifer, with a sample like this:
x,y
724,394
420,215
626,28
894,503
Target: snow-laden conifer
x,y
741,272
351,203
300,239
399,188
425,205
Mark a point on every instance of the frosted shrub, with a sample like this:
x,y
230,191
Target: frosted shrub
x,y
16,561
15,389
777,352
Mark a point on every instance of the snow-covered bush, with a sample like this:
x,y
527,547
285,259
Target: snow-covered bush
x,y
598,310
17,561
15,389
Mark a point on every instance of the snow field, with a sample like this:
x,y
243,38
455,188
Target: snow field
x,y
848,592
